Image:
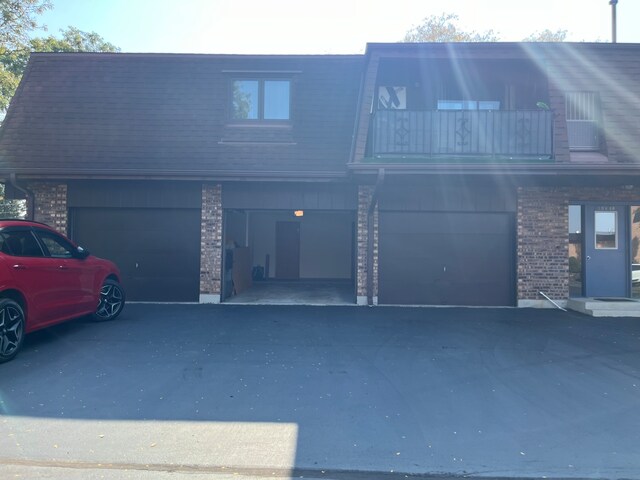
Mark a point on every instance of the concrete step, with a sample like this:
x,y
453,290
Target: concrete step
x,y
615,313
605,308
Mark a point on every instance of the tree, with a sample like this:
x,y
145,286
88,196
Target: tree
x,y
73,40
547,36
18,20
444,29
13,62
11,208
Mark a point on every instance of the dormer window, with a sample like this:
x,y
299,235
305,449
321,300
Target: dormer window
x,y
261,99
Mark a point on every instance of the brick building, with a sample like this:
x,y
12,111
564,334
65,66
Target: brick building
x,y
438,174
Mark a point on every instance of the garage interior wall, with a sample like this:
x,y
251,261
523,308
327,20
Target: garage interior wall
x,y
235,229
326,242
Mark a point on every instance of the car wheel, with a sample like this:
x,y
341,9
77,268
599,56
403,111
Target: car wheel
x,y
111,301
11,329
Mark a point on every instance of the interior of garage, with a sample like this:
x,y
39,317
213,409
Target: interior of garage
x,y
288,257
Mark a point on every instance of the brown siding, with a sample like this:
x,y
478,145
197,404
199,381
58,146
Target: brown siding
x,y
613,71
278,196
466,198
364,109
135,194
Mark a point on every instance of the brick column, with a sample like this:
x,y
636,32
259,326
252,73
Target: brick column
x,y
50,204
211,244
364,200
543,245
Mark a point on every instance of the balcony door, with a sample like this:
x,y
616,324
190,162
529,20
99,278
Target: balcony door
x,y
606,251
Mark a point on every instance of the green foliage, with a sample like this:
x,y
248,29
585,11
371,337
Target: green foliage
x,y
18,20
443,28
11,208
547,36
241,102
8,85
73,40
14,61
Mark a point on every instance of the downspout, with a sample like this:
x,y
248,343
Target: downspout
x,y
27,193
370,232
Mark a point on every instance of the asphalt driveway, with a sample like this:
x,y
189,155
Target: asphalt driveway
x,y
196,391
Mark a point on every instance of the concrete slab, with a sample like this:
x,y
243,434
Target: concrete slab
x,y
605,307
315,292
217,391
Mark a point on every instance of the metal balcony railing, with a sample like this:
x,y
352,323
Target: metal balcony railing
x,y
478,133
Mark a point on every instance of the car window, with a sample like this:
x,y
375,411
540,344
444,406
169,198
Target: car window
x,y
55,245
21,243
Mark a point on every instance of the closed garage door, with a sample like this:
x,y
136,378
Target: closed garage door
x,y
429,258
157,250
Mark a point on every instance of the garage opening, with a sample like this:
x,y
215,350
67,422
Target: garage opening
x,y
288,257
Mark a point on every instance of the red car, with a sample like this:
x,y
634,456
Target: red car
x,y
46,279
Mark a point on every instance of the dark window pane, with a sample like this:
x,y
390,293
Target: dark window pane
x,y
21,244
575,250
276,99
245,99
58,247
635,252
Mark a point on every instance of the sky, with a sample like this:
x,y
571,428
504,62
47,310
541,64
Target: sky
x,y
323,26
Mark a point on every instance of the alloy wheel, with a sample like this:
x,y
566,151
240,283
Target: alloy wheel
x,y
11,330
111,301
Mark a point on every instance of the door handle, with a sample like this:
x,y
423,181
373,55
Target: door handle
x,y
588,257
20,267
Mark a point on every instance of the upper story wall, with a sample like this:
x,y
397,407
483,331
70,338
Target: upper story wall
x,y
172,115
567,103
609,74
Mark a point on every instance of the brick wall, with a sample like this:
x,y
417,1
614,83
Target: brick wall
x,y
364,200
211,243
50,204
543,235
543,243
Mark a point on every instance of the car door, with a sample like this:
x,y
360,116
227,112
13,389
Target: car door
x,y
77,274
41,279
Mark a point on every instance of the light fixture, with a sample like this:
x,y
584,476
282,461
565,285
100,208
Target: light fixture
x,y
298,213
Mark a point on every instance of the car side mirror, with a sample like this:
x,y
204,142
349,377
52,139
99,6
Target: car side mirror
x,y
81,253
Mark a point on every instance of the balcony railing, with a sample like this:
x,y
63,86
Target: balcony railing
x,y
463,133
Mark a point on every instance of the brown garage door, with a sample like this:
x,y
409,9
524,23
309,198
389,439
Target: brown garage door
x,y
430,258
157,250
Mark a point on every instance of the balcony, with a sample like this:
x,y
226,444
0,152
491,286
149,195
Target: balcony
x,y
463,135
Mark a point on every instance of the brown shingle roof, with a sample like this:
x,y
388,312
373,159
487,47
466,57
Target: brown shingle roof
x,y
168,115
